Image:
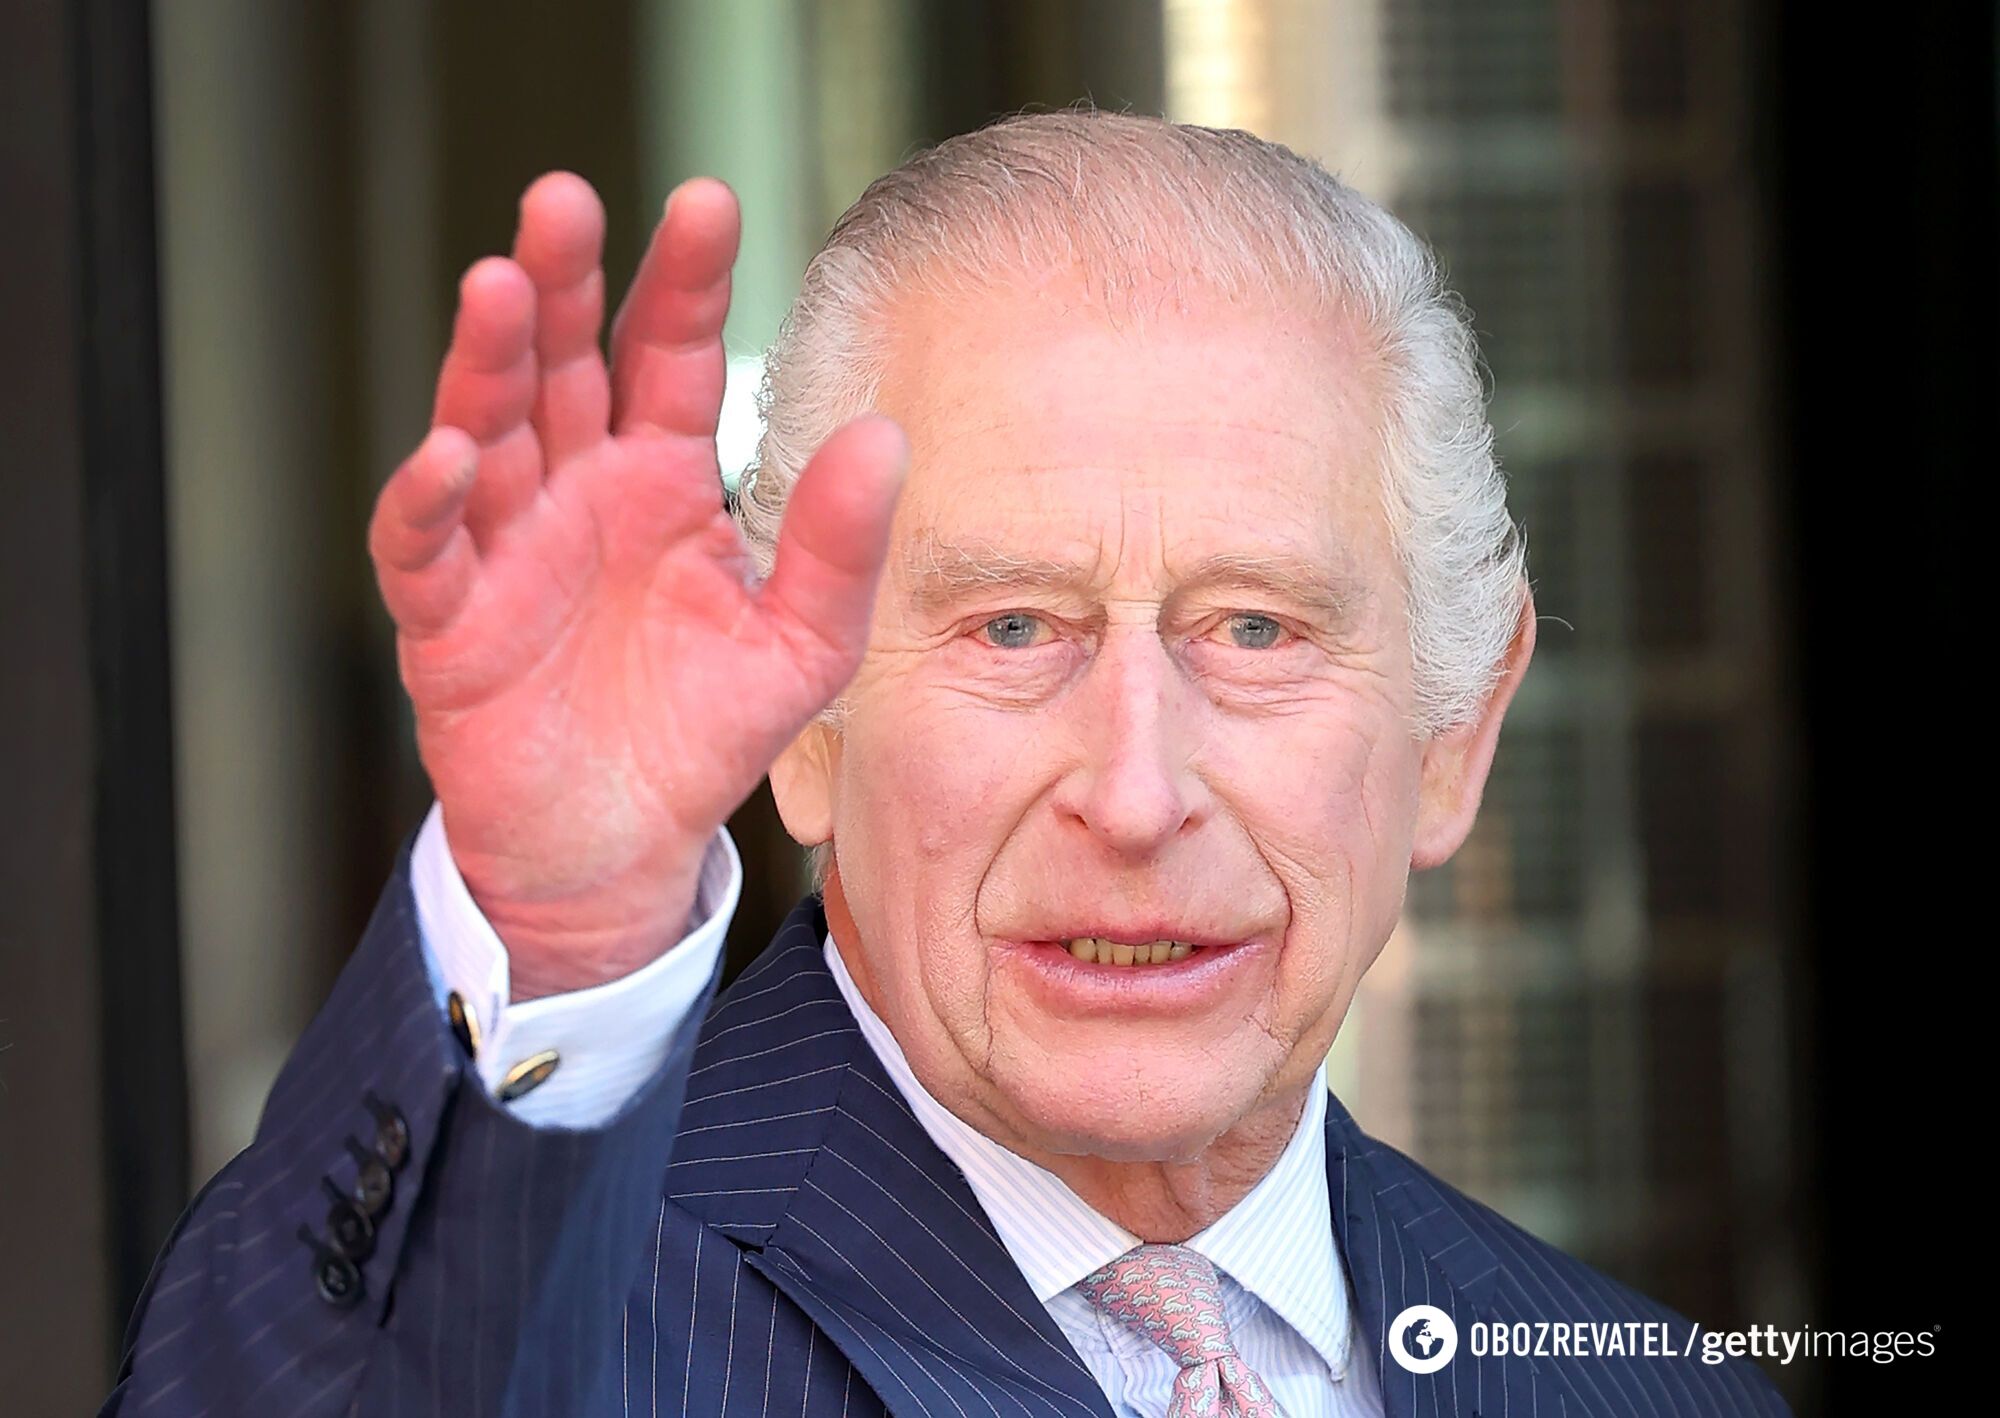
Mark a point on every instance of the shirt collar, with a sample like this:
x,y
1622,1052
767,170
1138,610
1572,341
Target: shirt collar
x,y
1277,1242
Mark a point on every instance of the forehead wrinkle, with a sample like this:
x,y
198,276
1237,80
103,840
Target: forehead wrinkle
x,y
1035,422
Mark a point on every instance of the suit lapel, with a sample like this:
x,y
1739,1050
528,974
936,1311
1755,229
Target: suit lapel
x,y
1406,1242
796,1145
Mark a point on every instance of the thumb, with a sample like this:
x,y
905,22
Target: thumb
x,y
831,547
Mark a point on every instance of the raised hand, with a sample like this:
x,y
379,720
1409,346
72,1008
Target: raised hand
x,y
598,680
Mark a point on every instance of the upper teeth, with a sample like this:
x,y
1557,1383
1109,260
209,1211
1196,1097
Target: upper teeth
x,y
1095,950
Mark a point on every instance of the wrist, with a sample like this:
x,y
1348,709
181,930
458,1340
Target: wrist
x,y
539,967
559,945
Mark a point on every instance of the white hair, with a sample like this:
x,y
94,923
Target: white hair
x,y
1135,200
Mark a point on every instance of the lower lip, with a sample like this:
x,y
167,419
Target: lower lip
x,y
1062,982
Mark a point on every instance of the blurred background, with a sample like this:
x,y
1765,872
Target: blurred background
x,y
1676,1006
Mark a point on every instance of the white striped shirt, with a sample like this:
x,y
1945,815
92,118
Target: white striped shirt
x,y
1284,1290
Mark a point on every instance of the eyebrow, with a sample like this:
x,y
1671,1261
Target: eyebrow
x,y
943,573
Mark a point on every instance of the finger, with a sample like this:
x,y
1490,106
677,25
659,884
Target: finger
x,y
560,244
667,360
832,545
487,388
424,559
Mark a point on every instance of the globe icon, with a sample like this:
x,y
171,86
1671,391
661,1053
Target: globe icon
x,y
1422,1338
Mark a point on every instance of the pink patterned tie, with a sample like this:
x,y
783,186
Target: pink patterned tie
x,y
1170,1295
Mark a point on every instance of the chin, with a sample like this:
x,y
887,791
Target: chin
x,y
1120,1118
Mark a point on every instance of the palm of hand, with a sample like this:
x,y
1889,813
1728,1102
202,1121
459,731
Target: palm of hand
x,y
597,677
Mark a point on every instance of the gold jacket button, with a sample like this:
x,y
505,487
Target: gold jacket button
x,y
464,1024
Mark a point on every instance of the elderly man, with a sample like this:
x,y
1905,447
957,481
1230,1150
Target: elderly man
x,y
1123,603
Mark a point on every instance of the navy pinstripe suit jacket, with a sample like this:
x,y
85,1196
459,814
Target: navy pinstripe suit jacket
x,y
765,1230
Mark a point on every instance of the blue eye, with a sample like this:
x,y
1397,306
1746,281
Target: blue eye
x,y
1254,632
1012,631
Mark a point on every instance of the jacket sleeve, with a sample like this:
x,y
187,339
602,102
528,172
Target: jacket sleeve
x,y
394,1240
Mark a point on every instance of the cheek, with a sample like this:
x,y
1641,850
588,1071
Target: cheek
x,y
1321,795
1332,811
932,787
927,799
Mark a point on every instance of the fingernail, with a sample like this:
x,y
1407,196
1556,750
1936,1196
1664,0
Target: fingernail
x,y
464,463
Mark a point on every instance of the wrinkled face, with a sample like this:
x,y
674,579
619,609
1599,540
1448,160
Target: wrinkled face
x,y
1138,689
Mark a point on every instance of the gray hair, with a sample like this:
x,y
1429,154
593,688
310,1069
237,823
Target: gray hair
x,y
1131,199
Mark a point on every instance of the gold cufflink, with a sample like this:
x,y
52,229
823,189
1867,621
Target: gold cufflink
x,y
528,1075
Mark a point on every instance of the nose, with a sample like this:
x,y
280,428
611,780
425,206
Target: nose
x,y
1136,788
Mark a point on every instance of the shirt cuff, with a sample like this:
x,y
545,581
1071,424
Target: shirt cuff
x,y
609,1039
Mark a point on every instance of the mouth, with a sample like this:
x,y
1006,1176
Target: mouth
x,y
1089,975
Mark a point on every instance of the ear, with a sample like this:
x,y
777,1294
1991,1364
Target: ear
x,y
1455,763
802,784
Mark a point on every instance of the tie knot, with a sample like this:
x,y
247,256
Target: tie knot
x,y
1168,1294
